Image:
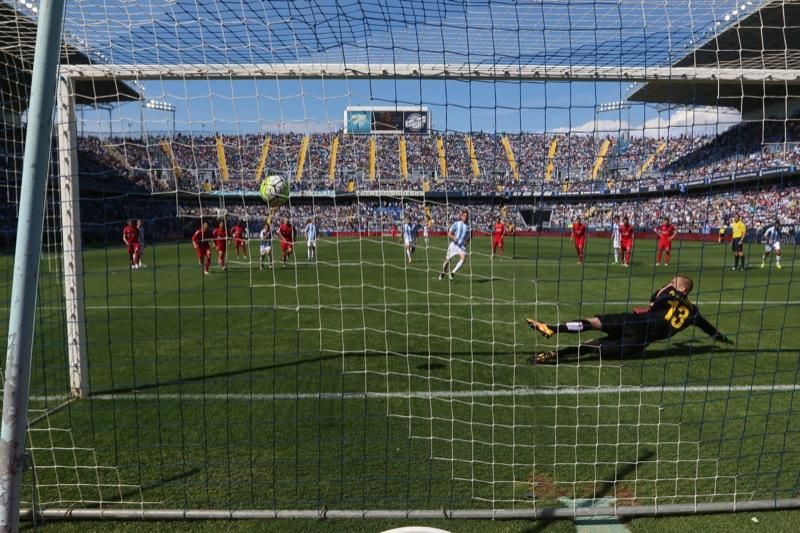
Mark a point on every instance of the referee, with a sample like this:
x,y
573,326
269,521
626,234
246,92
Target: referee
x,y
738,231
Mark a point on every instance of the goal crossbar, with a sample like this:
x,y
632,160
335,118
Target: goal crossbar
x,y
428,71
424,514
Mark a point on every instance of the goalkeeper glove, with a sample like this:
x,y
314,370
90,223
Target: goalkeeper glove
x,y
719,337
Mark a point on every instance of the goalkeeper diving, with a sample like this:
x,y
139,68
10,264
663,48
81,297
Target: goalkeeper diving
x,y
627,334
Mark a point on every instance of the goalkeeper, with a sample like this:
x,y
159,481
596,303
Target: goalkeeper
x,y
669,312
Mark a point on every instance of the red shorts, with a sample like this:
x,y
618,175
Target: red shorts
x,y
133,248
497,242
665,245
239,242
626,245
580,243
286,246
221,247
202,251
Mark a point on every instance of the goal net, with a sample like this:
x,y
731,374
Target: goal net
x,y
454,169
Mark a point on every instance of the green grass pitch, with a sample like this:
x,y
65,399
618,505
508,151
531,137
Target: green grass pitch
x,y
361,383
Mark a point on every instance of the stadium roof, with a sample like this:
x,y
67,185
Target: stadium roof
x,y
18,38
766,39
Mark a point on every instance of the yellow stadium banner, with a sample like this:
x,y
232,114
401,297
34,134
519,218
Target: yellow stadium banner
x,y
601,157
473,159
301,159
442,158
351,186
262,159
373,148
332,160
167,148
551,155
221,161
512,161
403,158
649,161
426,186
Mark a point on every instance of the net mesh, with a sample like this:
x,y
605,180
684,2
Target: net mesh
x,y
334,363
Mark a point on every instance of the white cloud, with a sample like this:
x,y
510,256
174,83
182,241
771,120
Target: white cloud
x,y
301,126
604,126
692,121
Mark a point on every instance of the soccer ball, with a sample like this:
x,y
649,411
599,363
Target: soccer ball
x,y
274,190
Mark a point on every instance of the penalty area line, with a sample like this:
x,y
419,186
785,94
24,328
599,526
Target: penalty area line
x,y
434,395
403,305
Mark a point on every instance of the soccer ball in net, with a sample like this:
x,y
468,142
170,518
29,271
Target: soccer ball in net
x,y
274,190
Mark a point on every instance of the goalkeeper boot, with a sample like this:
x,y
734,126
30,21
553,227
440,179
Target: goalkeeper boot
x,y
543,358
778,266
541,327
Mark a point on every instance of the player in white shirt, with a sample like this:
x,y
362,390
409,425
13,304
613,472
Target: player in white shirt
x,y
425,231
459,235
410,232
265,248
772,243
615,238
311,232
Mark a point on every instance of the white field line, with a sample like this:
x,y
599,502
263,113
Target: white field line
x,y
401,305
436,395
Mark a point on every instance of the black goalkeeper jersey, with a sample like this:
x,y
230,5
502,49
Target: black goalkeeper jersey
x,y
671,312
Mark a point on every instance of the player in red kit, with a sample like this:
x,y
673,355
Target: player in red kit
x,y
286,233
238,234
200,241
393,230
130,236
220,235
626,241
498,234
666,232
579,236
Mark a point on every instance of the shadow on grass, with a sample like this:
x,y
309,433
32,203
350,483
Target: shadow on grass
x,y
134,494
295,362
678,349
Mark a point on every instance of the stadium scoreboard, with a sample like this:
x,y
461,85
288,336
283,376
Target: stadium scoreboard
x,y
387,120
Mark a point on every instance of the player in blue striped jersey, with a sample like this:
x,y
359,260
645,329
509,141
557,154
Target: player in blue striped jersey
x,y
410,232
772,243
459,235
311,232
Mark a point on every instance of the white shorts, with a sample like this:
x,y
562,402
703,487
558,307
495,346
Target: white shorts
x,y
409,242
617,243
265,249
772,247
312,243
454,250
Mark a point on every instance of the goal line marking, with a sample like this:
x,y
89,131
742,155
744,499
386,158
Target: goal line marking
x,y
435,395
398,305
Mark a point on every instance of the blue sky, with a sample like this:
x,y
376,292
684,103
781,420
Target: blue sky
x,y
312,105
605,32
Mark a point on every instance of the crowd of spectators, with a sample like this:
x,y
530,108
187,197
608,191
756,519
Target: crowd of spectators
x,y
368,216
691,214
191,163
